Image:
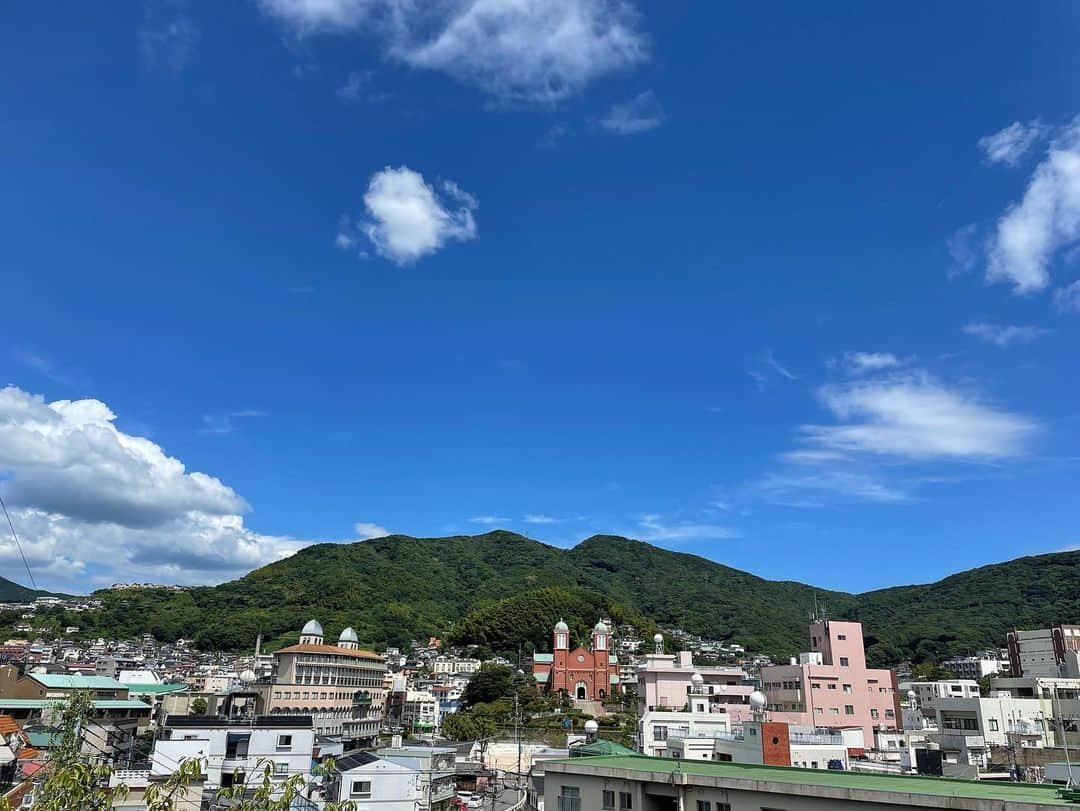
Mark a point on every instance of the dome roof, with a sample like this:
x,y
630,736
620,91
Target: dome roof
x,y
758,700
658,638
248,676
561,626
313,628
348,635
601,627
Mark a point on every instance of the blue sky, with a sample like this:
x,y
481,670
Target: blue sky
x,y
793,288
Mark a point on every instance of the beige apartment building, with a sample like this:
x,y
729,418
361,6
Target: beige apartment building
x,y
340,686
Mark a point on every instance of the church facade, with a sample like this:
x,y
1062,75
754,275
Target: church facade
x,y
582,673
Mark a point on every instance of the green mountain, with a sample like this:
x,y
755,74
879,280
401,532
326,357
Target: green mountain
x,y
11,592
501,590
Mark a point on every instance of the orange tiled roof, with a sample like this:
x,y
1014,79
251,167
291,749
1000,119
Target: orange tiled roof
x,y
29,753
8,725
331,649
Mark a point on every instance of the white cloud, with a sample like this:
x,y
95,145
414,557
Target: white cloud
x,y
1046,220
654,528
1067,298
1004,335
306,17
489,520
365,530
916,417
816,488
867,362
1010,144
86,496
167,45
408,219
536,51
533,518
639,114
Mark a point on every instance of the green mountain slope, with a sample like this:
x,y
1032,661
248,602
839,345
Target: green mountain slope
x,y
500,588
11,592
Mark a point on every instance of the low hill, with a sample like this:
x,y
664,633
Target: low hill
x,y
499,589
12,592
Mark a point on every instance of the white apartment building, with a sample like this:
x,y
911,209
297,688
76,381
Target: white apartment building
x,y
403,778
420,710
452,664
656,727
233,749
928,693
976,667
773,744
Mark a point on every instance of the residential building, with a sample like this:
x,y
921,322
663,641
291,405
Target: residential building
x,y
656,727
830,686
109,734
764,742
42,685
420,711
339,686
585,674
233,749
651,784
976,667
1043,652
927,693
408,778
667,680
453,664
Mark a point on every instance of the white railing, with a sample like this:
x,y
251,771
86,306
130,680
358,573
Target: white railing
x,y
517,806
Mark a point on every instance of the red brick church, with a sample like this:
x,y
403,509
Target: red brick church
x,y
580,673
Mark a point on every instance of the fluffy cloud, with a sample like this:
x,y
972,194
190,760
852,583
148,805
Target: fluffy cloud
x,y
85,495
639,114
1031,232
537,51
407,218
817,487
1010,144
366,530
1004,335
916,417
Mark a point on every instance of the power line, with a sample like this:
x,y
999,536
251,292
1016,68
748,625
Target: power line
x,y
18,545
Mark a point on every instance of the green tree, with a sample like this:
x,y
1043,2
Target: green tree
x,y
490,683
467,726
198,706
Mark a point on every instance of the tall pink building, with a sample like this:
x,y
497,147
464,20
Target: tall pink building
x,y
831,686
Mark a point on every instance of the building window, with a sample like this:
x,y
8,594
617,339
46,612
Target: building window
x,y
874,713
993,724
890,714
841,637
284,741
832,686
834,711
843,661
847,689
626,801
659,733
815,686
609,800
360,789
704,805
819,711
849,709
281,768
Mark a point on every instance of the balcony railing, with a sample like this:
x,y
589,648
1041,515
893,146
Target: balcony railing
x,y
568,804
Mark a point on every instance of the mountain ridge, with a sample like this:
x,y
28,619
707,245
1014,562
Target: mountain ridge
x,y
487,588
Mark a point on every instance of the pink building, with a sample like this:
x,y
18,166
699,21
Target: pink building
x,y
831,686
671,682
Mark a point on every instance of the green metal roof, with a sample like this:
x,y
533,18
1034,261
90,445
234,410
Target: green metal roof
x,y
58,681
545,658
902,784
599,748
43,740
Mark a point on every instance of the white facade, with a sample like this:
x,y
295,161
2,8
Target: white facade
x,y
976,667
929,693
452,664
655,727
235,747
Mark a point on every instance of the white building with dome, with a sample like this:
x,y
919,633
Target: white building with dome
x,y
340,686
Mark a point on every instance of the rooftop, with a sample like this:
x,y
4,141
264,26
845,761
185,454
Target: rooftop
x,y
64,682
259,721
332,650
1010,793
42,703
